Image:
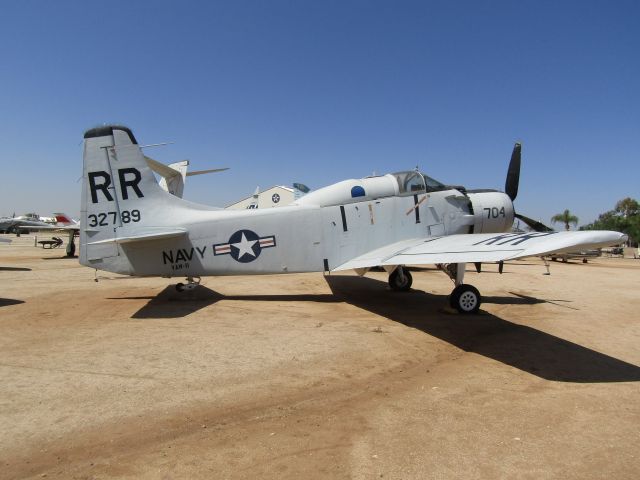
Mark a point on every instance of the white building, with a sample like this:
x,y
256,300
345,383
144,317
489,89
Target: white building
x,y
276,196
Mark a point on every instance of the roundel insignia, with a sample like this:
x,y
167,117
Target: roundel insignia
x,y
244,246
275,198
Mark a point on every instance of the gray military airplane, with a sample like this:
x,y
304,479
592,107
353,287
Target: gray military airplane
x,y
131,226
64,223
18,224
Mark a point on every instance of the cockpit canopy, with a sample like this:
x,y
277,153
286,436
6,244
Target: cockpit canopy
x,y
371,188
414,182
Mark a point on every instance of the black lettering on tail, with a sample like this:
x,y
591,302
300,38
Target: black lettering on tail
x,y
99,186
124,183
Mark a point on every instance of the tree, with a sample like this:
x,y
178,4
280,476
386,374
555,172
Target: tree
x,y
624,218
565,217
628,207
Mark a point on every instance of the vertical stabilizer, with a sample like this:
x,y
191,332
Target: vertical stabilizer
x,y
119,196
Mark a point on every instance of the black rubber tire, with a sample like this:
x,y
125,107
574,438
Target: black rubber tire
x,y
71,249
465,299
180,287
396,284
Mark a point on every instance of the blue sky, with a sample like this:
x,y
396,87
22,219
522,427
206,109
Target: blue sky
x,y
316,92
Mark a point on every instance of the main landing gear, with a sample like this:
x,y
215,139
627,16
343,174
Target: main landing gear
x,y
192,282
400,279
71,244
464,298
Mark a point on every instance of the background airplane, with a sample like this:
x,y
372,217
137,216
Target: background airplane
x,y
18,224
64,223
130,225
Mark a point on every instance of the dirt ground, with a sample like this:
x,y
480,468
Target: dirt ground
x,y
306,376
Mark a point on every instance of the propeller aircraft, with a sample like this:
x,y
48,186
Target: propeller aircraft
x,y
131,226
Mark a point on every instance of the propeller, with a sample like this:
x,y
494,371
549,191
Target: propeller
x,y
513,174
534,224
511,188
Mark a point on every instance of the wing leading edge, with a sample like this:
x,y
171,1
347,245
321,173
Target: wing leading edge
x,y
469,248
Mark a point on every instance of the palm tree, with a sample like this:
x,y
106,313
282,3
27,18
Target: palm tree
x,y
565,217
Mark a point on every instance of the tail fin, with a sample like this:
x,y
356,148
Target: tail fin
x,y
64,220
121,200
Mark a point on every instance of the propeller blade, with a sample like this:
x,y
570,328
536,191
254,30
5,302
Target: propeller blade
x,y
513,174
534,224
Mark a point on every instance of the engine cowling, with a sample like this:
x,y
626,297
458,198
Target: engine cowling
x,y
493,212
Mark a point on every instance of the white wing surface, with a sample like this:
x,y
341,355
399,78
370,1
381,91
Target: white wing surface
x,y
485,247
49,227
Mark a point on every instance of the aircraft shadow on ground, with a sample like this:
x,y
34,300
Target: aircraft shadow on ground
x,y
519,346
171,304
14,269
522,347
5,302
520,299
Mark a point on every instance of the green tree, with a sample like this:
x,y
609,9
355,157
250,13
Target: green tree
x,y
628,207
565,217
625,218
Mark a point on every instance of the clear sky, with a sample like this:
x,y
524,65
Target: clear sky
x,y
319,91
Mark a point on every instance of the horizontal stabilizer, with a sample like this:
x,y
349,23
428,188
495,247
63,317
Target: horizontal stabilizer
x,y
202,172
143,235
160,168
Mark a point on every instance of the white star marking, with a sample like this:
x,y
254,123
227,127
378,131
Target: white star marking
x,y
245,246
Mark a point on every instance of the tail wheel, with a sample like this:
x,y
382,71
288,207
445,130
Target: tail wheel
x,y
400,279
180,287
465,298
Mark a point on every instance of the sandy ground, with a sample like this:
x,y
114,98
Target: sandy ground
x,y
306,376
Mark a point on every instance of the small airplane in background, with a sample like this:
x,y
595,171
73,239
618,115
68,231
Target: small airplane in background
x,y
131,226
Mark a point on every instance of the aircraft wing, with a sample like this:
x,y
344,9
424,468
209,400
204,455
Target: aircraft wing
x,y
484,247
50,227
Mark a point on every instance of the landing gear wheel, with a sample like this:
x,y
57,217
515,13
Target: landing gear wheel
x,y
465,298
71,249
192,283
400,279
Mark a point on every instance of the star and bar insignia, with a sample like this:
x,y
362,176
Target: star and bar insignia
x,y
244,246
